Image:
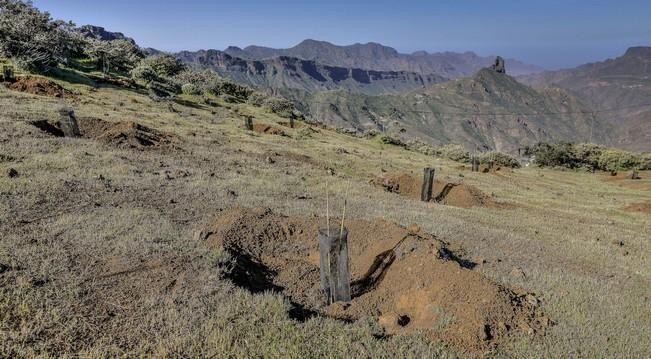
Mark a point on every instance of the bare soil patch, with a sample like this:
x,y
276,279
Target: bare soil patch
x,y
643,207
122,134
297,124
455,194
38,86
267,129
623,179
405,279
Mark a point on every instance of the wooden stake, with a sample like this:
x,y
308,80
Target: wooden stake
x,y
428,180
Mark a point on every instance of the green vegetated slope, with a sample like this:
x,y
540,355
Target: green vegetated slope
x,y
488,110
620,88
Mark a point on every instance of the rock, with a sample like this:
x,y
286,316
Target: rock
x,y
12,173
518,273
499,65
413,228
270,160
69,124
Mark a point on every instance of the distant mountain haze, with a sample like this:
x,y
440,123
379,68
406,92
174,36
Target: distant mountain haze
x,y
374,56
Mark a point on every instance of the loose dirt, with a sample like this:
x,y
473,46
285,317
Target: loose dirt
x,y
455,194
405,279
267,129
297,124
121,134
38,86
643,207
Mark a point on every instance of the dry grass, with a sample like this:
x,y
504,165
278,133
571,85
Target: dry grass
x,y
100,259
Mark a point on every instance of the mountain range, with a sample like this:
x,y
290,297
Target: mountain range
x,y
618,90
283,72
450,97
374,56
489,110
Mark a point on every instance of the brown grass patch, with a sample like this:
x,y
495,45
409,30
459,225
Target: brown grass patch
x,y
406,280
643,207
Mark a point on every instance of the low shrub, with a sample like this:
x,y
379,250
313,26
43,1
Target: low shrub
x,y
499,159
586,155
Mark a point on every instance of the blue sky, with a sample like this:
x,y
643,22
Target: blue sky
x,y
551,33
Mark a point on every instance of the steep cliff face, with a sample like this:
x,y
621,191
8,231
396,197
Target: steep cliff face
x,y
292,73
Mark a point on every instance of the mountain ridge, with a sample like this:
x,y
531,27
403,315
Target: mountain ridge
x,y
375,56
618,89
284,72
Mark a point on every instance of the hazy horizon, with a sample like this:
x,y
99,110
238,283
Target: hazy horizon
x,y
553,35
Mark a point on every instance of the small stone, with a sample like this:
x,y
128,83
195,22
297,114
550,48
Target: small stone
x,y
12,173
413,228
518,273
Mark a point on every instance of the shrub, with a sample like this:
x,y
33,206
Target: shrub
x,y
454,152
157,68
613,160
32,39
115,55
499,159
190,89
257,98
279,106
585,155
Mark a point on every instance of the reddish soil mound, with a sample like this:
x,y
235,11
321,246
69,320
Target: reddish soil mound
x,y
125,133
448,193
267,129
406,280
122,134
296,124
644,207
37,86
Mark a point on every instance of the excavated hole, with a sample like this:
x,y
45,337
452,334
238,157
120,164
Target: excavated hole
x,y
405,280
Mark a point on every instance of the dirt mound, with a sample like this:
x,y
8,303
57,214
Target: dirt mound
x,y
643,207
122,134
406,280
455,194
38,86
267,129
297,124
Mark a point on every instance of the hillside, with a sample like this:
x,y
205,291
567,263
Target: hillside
x,y
374,56
619,87
307,75
167,229
485,111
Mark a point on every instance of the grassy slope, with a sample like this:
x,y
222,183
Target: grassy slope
x,y
443,113
90,205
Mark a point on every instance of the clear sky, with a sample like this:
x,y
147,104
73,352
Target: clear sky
x,y
550,33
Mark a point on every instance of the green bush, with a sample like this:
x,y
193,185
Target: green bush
x,y
32,39
586,155
454,152
190,89
499,159
279,106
